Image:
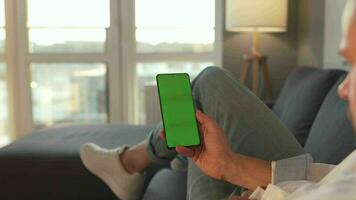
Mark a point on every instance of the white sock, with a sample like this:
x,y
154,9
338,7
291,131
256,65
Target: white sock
x,y
107,166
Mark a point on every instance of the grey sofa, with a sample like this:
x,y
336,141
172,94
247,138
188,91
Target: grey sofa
x,y
46,163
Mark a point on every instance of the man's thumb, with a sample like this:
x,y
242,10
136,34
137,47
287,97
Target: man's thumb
x,y
201,117
184,151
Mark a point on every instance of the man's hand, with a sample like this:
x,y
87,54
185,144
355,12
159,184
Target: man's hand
x,y
216,159
214,153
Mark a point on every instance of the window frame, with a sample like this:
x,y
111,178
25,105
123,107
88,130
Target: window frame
x,y
136,57
4,60
120,58
18,60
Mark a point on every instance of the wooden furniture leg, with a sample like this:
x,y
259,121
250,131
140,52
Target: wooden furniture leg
x,y
256,76
244,71
267,80
259,66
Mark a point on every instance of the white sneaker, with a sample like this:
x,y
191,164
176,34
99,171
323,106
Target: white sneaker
x,y
107,166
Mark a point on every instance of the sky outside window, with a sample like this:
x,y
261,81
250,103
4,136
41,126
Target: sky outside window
x,y
175,25
69,13
65,26
2,26
4,115
2,13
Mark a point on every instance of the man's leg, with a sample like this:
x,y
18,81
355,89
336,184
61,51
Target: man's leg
x,y
252,128
157,150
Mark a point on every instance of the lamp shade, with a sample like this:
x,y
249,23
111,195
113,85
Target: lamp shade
x,y
256,15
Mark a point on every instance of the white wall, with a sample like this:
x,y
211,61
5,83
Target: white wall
x,y
332,34
311,33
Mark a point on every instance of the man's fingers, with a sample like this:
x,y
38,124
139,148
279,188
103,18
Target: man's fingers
x,y
162,135
205,122
201,117
187,152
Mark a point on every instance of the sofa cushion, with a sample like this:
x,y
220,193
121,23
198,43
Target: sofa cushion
x,y
331,138
58,148
46,164
301,98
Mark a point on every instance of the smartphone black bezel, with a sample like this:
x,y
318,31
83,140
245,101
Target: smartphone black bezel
x,y
194,106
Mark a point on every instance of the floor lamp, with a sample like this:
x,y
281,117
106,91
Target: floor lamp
x,y
257,16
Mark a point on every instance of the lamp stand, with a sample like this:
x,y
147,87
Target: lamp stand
x,y
256,43
258,64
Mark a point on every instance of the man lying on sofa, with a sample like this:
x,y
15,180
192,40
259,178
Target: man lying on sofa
x,y
236,124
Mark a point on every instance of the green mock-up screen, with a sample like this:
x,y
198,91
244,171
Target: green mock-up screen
x,y
178,112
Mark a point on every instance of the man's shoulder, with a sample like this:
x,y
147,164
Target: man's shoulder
x,y
352,156
343,170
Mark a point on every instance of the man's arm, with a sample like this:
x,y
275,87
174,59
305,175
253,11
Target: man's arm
x,y
215,158
248,172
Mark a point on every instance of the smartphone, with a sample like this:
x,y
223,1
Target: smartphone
x,y
178,110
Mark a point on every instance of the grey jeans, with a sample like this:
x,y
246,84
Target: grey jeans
x,y
251,128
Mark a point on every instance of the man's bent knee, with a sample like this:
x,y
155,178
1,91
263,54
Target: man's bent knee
x,y
211,73
212,77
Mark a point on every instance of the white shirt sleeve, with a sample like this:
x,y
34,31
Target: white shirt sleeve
x,y
322,181
317,171
339,184
291,169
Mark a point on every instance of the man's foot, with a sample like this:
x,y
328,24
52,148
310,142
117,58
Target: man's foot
x,y
106,164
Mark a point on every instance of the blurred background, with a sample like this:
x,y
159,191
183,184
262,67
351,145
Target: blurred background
x,y
95,61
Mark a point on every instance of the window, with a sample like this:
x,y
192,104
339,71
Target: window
x,y
171,36
2,26
175,26
95,61
70,92
81,29
4,113
62,91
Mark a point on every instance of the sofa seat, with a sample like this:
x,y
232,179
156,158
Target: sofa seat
x,y
46,164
